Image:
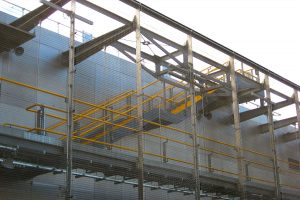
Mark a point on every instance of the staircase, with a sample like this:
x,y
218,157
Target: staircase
x,y
117,119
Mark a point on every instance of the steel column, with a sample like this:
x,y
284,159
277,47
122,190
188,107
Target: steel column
x,y
297,104
164,95
140,163
237,130
193,118
273,138
297,110
70,103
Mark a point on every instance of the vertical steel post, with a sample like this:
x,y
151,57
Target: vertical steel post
x,y
296,97
273,138
185,101
237,130
242,68
140,164
171,97
70,102
164,95
193,118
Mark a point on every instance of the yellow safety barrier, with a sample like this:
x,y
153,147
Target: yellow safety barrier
x,y
133,117
150,153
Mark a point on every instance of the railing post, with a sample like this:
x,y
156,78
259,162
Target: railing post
x,y
171,97
165,151
70,103
140,162
108,116
164,95
242,68
40,120
185,101
128,103
209,162
273,138
237,130
247,171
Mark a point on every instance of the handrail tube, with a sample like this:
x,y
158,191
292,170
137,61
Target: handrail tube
x,y
147,153
92,105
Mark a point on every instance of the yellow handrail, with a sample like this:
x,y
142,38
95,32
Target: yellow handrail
x,y
153,154
168,127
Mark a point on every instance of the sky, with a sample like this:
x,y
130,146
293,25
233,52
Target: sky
x,y
266,31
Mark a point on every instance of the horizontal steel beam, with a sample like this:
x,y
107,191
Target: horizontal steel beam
x,y
244,116
224,101
291,136
174,54
277,124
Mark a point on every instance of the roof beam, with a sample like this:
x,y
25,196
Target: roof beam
x,y
151,33
123,47
123,51
161,17
164,50
278,124
174,54
280,94
33,18
85,50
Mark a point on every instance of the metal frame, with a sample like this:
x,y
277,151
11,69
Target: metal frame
x,y
237,131
161,17
70,106
195,82
272,139
140,161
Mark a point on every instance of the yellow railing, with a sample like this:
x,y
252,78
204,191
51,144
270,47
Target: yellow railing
x,y
86,116
157,155
248,73
150,98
